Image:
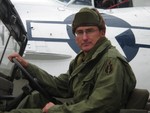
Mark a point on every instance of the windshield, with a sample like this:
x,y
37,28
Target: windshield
x,y
8,45
77,2
103,4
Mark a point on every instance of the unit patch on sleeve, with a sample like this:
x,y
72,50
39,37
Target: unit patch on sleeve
x,y
109,67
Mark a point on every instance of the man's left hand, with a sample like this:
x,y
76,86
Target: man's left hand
x,y
47,106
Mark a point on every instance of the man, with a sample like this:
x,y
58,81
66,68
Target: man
x,y
99,79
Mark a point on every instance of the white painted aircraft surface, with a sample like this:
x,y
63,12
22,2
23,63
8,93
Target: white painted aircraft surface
x,y
51,43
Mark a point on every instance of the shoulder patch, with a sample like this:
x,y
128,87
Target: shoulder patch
x,y
109,67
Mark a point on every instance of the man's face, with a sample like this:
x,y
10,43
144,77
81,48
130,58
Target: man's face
x,y
87,36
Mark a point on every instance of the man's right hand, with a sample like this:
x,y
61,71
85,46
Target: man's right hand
x,y
20,59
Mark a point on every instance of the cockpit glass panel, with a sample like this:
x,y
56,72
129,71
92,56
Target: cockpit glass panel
x,y
77,2
8,45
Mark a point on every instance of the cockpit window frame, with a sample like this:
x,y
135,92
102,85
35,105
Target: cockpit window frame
x,y
12,21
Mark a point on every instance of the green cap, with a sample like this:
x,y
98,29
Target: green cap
x,y
86,17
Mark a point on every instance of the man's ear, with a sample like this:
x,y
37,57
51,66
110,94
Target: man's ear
x,y
103,32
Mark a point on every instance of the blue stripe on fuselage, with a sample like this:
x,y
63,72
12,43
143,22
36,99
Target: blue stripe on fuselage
x,y
126,39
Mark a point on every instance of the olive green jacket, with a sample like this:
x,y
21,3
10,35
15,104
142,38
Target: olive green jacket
x,y
100,83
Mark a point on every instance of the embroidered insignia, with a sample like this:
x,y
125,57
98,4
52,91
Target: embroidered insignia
x,y
109,67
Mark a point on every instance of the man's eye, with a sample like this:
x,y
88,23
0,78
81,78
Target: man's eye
x,y
89,31
79,32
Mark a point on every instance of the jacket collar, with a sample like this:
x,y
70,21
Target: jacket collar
x,y
93,54
97,49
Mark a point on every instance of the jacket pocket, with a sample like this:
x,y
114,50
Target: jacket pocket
x,y
87,87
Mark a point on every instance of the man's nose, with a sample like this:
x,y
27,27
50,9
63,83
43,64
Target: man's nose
x,y
85,36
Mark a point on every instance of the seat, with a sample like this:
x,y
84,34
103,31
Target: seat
x,y
138,99
137,102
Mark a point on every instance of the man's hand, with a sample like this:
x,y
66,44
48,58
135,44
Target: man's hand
x,y
47,106
21,60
